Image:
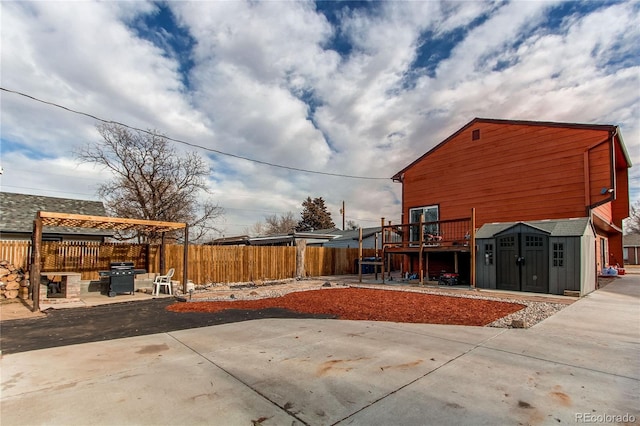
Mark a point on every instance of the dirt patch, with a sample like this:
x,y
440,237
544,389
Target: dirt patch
x,y
11,309
371,305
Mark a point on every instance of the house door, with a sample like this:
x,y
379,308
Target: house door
x,y
523,262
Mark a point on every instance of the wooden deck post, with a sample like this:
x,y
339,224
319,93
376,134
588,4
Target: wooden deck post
x,y
473,248
383,254
376,254
421,240
34,272
360,255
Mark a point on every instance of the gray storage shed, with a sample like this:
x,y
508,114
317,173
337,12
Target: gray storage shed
x,y
547,256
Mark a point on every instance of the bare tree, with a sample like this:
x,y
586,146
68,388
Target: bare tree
x,y
632,223
151,181
284,224
258,228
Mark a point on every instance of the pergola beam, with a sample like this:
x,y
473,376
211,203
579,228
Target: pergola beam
x,y
105,222
69,220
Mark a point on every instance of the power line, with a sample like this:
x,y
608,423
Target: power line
x,y
295,169
47,190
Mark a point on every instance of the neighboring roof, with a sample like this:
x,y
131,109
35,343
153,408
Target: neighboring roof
x,y
235,240
354,234
17,212
631,240
606,127
311,237
555,228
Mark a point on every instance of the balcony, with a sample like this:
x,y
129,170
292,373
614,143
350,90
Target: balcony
x,y
442,235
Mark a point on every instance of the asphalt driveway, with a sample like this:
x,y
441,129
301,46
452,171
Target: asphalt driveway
x,y
62,327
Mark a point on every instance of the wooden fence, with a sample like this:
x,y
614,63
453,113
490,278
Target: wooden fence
x,y
206,263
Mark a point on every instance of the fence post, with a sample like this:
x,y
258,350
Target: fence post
x,y
301,246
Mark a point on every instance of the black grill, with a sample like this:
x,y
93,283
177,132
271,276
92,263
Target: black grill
x,y
121,277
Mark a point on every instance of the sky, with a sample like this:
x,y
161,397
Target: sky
x,y
340,95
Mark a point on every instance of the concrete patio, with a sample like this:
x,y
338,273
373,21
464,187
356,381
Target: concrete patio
x,y
581,365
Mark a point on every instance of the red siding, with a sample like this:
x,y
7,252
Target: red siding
x,y
600,172
513,172
604,211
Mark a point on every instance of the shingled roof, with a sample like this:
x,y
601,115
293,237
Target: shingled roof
x,y
17,212
555,228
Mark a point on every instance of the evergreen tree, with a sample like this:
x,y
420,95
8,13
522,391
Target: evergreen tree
x,y
314,216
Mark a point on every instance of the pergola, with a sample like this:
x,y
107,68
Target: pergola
x,y
97,222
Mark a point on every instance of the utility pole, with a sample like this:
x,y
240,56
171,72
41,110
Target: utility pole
x,y
342,211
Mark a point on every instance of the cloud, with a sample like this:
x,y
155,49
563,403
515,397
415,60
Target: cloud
x,y
357,91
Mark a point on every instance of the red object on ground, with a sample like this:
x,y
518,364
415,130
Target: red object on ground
x,y
372,305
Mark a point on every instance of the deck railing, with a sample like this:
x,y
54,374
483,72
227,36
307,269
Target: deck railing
x,y
451,234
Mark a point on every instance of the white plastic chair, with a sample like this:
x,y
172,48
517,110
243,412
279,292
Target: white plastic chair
x,y
163,280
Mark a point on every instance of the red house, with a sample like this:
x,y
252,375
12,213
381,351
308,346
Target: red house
x,y
544,194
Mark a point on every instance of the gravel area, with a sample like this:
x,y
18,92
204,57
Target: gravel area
x,y
534,313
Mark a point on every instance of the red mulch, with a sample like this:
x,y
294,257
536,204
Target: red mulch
x,y
372,305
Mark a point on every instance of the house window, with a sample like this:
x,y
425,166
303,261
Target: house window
x,y
475,135
558,255
488,254
431,214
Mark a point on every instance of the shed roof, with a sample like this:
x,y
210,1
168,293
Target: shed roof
x,y
17,212
574,227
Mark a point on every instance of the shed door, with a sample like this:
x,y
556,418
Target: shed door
x,y
522,262
535,263
508,272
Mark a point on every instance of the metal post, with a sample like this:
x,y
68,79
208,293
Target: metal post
x,y
162,255
185,259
